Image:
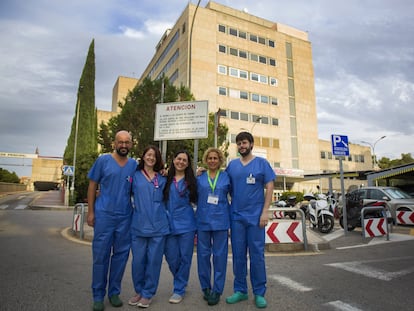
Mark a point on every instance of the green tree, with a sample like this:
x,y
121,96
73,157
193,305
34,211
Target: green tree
x,y
10,177
84,128
406,158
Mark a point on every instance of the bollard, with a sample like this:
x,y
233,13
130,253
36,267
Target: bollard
x,y
78,219
273,210
374,208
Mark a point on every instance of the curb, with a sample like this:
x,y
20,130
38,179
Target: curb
x,y
67,234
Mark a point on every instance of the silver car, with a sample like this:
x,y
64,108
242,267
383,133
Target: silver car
x,y
395,198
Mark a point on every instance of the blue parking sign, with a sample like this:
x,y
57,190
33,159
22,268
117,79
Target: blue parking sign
x,y
340,145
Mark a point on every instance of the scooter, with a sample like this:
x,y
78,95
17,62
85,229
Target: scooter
x,y
319,212
291,202
354,206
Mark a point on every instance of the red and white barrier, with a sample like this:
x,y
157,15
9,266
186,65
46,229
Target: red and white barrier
x,y
284,232
375,227
76,220
405,218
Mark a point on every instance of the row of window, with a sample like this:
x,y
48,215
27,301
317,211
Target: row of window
x,y
358,158
254,97
242,116
247,55
244,74
246,36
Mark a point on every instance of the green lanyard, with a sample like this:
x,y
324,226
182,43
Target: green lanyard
x,y
212,185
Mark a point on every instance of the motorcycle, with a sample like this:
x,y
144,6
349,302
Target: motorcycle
x,y
291,202
319,212
354,206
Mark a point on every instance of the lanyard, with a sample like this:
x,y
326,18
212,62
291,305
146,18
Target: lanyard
x,y
154,181
213,185
181,193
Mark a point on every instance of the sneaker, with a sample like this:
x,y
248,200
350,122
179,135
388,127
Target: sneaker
x,y
236,297
133,301
175,298
260,301
206,293
144,302
115,301
213,299
98,306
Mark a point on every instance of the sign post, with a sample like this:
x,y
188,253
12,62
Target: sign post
x,y
340,148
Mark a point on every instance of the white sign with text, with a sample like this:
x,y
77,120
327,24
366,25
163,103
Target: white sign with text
x,y
181,120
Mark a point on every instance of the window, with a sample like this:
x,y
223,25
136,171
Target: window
x,y
275,121
244,116
222,48
264,120
222,28
234,72
233,32
183,28
242,35
244,95
330,155
265,142
264,99
234,93
323,156
243,74
273,101
262,40
234,115
223,113
256,118
222,69
272,62
254,57
222,91
275,143
271,43
253,38
243,54
254,76
273,81
262,60
263,79
255,97
233,51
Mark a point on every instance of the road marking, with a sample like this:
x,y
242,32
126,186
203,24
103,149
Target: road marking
x,y
361,267
290,283
21,206
340,305
394,237
4,206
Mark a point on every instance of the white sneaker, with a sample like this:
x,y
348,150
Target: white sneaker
x,y
175,298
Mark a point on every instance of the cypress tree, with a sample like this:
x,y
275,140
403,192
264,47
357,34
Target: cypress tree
x,y
87,131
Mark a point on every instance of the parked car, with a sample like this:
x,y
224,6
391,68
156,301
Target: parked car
x,y
395,198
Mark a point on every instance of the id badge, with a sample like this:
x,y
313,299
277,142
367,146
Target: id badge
x,y
212,199
250,180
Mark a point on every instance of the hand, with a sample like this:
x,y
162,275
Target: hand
x,y
91,219
264,219
200,170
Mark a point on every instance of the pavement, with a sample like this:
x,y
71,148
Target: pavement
x,y
317,242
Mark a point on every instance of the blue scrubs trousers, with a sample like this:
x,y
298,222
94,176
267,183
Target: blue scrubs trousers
x,y
111,236
212,243
246,236
179,250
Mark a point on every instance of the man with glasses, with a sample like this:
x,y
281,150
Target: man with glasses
x,y
109,213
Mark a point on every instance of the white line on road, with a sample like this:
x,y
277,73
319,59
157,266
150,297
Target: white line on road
x,y
20,206
290,283
361,267
340,305
4,206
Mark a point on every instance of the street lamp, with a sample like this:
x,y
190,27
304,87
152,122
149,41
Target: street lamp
x,y
374,157
255,122
76,140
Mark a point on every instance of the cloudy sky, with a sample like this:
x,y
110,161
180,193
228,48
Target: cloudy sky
x,y
363,59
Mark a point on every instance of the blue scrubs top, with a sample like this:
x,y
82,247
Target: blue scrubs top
x,y
180,210
248,182
115,185
150,214
211,216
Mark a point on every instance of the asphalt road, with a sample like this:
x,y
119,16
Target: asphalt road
x,y
42,270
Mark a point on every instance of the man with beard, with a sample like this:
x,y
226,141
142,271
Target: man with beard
x,y
249,176
109,213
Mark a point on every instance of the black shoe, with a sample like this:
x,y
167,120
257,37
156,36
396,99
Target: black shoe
x,y
115,301
213,299
206,293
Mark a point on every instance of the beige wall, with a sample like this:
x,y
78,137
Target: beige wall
x,y
120,91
